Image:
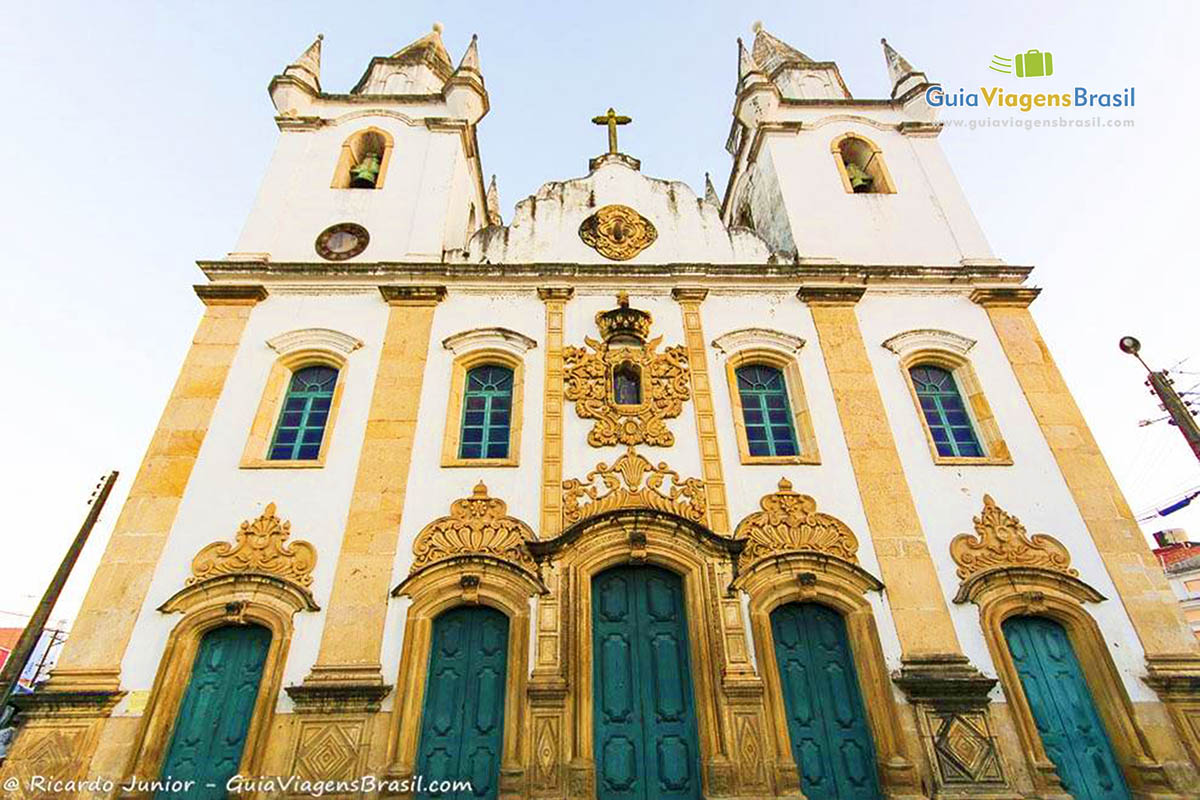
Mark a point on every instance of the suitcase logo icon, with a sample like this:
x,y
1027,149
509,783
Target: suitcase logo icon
x,y
1030,64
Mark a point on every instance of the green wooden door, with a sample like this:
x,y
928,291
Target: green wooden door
x,y
645,742
827,722
462,726
1063,709
214,717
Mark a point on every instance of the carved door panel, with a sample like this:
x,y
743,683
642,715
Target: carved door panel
x,y
646,741
1063,709
462,724
827,722
214,716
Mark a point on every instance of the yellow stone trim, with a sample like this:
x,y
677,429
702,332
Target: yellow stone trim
x,y
91,659
347,158
876,165
555,299
1152,606
798,577
353,631
689,300
978,409
454,407
1043,593
806,436
270,407
919,610
218,602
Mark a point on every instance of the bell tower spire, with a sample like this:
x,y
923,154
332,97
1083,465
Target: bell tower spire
x,y
903,75
307,68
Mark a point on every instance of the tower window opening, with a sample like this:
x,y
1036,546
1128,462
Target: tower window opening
x,y
862,166
363,160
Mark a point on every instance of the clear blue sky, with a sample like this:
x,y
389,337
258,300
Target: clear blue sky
x,y
135,135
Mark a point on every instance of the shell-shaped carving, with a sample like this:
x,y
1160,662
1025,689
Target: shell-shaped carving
x,y
789,522
260,547
633,482
1000,541
477,525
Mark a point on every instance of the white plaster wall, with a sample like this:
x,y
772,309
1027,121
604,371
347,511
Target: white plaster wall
x,y
948,497
831,483
220,495
407,219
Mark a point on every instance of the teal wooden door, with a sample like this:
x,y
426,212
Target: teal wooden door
x,y
462,725
645,741
1063,709
827,722
214,717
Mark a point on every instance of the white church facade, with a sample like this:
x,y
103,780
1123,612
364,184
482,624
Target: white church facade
x,y
639,494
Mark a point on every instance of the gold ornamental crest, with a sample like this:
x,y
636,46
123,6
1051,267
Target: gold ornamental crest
x,y
617,232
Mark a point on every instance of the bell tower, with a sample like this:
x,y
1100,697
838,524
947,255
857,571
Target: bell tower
x,y
829,178
388,171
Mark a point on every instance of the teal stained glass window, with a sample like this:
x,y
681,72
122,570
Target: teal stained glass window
x,y
766,411
945,413
487,413
305,413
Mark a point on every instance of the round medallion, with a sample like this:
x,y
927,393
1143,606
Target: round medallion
x,y
342,241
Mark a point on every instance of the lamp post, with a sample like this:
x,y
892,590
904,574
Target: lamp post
x,y
1181,415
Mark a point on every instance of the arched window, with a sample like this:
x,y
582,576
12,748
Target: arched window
x,y
627,385
364,160
861,165
945,414
766,411
301,425
487,412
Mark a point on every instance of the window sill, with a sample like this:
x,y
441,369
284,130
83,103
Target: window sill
x,y
479,462
964,461
750,460
263,463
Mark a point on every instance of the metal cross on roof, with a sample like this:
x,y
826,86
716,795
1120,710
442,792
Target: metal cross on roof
x,y
612,120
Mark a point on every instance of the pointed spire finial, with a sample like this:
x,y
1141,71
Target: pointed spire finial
x,y
757,26
470,59
493,203
710,192
438,28
903,75
307,67
747,66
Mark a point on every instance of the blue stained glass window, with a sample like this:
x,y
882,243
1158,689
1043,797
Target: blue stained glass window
x,y
945,414
302,422
766,411
487,413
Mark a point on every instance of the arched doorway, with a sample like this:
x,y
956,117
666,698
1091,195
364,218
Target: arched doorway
x,y
462,724
217,707
1064,710
826,719
646,740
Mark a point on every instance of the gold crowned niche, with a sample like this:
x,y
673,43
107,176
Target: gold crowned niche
x,y
789,522
664,380
633,482
617,232
477,526
261,548
1001,542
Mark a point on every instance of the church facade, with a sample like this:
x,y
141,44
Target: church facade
x,y
641,494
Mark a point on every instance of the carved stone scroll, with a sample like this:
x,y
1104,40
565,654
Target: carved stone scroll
x,y
261,547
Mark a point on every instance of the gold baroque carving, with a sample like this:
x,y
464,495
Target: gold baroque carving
x,y
633,482
261,548
1001,541
617,232
789,521
477,526
665,381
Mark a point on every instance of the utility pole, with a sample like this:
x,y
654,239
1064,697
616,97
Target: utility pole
x,y
1162,385
37,623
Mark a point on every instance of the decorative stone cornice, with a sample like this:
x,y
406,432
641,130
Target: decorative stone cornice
x,y
693,294
746,338
261,548
477,527
902,344
633,482
944,680
413,295
500,338
1005,296
308,339
789,522
1000,541
230,294
337,697
555,292
830,295
57,704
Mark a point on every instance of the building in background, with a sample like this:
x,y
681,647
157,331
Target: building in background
x,y
642,494
41,660
1180,561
